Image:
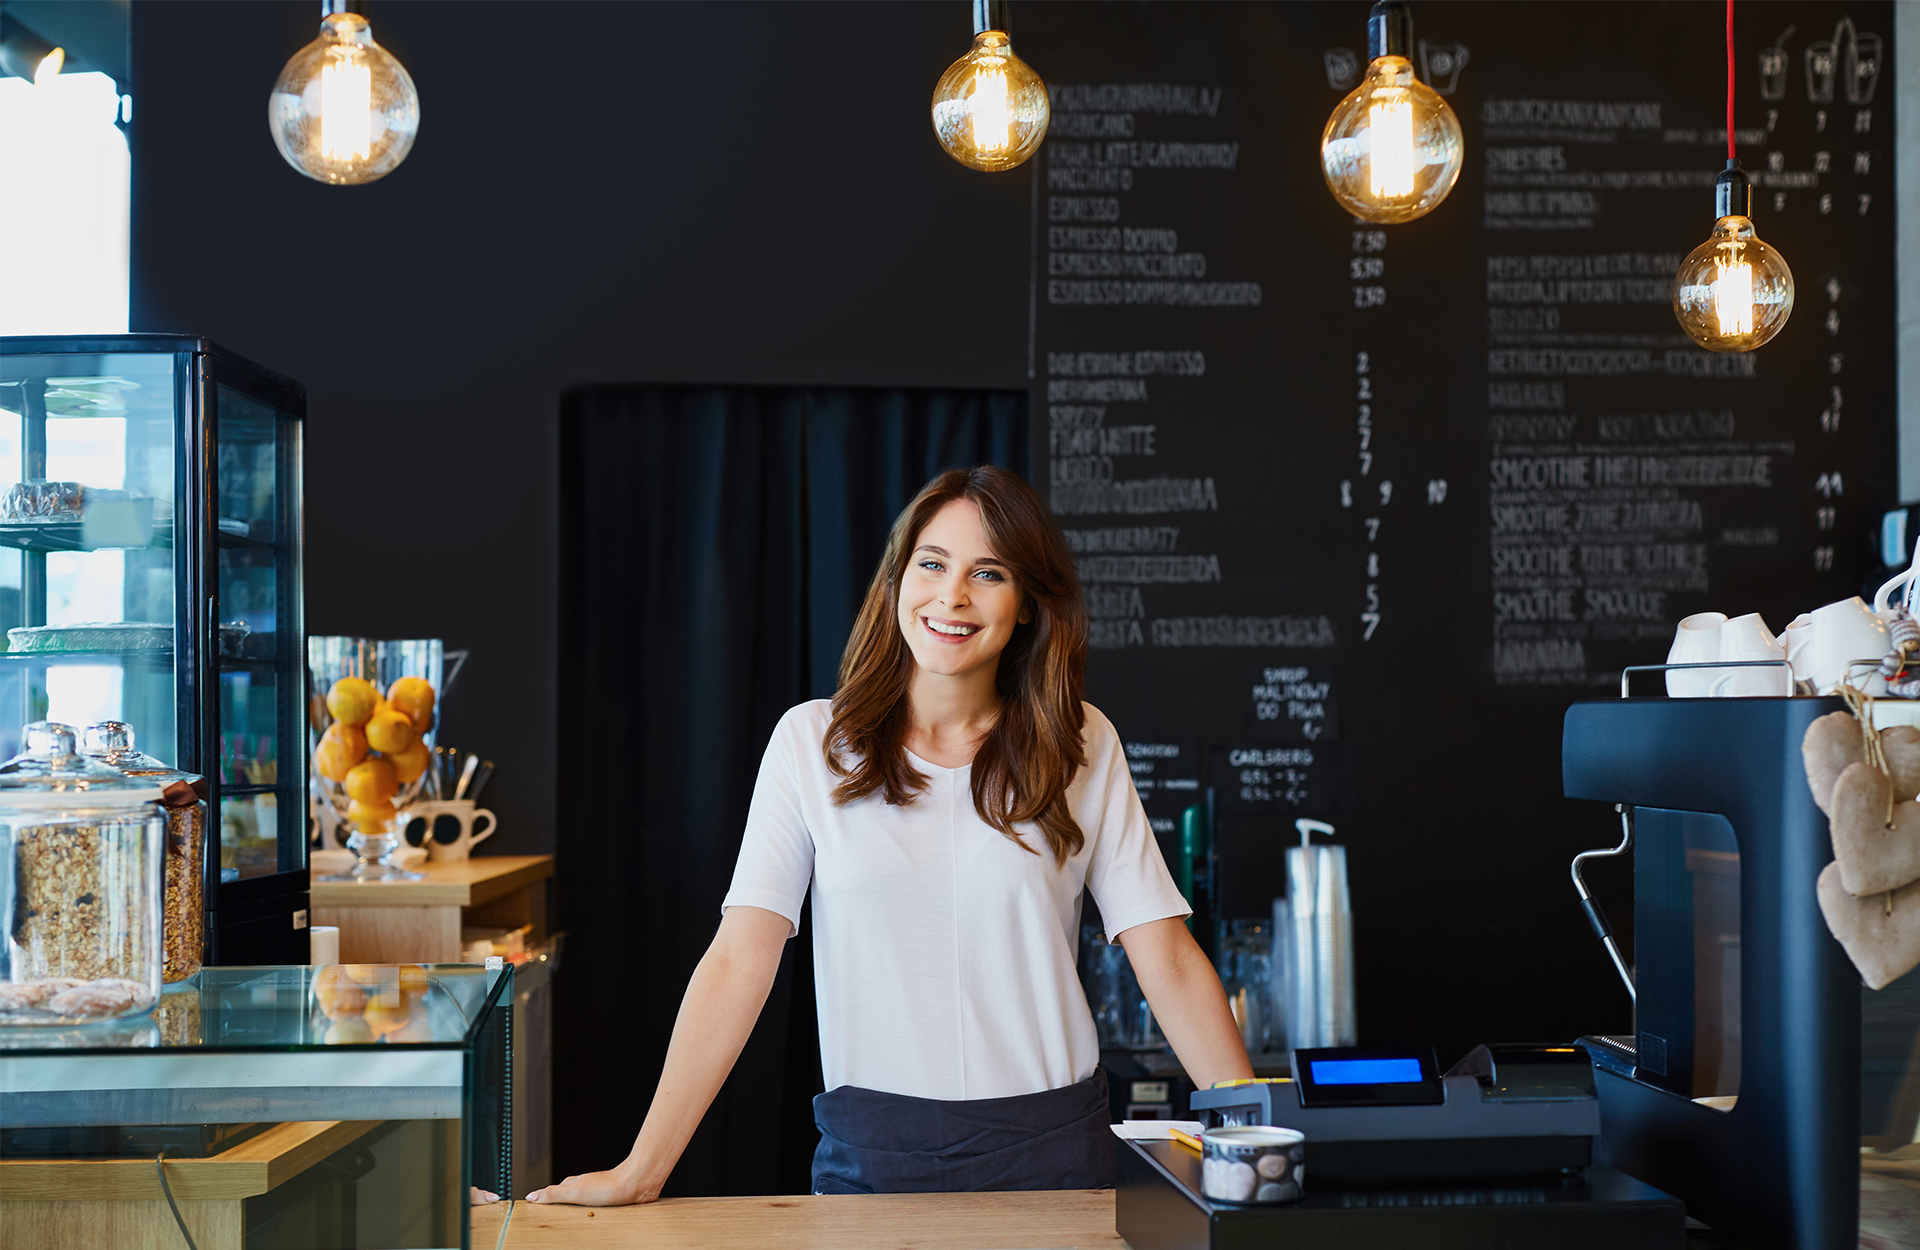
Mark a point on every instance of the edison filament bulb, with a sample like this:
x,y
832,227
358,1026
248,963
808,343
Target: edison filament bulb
x,y
1393,148
1733,292
990,109
344,111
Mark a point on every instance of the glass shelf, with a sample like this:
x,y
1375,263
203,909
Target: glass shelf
x,y
72,536
155,657
316,1053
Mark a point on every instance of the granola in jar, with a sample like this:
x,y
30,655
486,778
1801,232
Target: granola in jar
x,y
80,869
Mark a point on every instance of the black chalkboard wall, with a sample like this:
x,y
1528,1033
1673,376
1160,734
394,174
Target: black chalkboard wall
x,y
1361,509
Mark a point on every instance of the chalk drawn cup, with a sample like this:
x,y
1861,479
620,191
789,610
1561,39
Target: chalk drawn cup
x,y
1820,69
448,828
1695,641
1842,633
1862,67
1441,63
1343,68
1773,73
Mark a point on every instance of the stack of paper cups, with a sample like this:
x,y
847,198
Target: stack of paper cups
x,y
326,944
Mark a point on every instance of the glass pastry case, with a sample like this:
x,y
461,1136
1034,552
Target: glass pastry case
x,y
150,573
282,1107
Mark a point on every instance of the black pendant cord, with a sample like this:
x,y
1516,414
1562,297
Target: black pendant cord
x,y
989,15
160,1166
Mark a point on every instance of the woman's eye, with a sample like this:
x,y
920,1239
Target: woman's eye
x,y
991,575
931,566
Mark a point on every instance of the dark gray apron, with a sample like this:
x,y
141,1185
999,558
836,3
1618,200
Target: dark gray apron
x,y
875,1143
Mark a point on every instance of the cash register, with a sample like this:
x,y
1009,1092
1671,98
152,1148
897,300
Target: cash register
x,y
1495,1152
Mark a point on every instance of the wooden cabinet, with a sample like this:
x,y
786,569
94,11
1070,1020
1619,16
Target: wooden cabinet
x,y
419,922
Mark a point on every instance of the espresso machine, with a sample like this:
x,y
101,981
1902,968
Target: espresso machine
x,y
1740,1089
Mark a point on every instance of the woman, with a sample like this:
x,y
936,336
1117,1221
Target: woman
x,y
946,808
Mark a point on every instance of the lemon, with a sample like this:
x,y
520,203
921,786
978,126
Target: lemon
x,y
372,781
390,732
341,747
386,1012
410,763
352,700
413,698
352,1031
370,817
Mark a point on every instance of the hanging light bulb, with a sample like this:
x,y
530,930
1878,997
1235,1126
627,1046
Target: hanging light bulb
x,y
344,111
1733,292
990,109
1393,148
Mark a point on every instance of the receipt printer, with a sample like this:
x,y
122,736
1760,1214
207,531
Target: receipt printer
x,y
1374,1115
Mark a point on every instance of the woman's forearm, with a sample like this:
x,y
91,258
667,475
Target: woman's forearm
x,y
722,1003
1187,1000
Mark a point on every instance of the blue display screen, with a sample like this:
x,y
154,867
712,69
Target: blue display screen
x,y
1365,1071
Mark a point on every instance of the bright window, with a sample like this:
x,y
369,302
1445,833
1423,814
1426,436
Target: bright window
x,y
65,211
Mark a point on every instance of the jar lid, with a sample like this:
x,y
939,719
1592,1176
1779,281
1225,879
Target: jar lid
x,y
51,773
111,742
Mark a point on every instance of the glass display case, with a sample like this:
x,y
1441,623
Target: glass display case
x,y
150,572
310,1107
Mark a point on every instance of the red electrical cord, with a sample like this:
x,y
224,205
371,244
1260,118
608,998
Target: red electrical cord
x,y
1729,80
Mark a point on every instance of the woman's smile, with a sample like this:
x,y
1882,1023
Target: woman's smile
x,y
950,631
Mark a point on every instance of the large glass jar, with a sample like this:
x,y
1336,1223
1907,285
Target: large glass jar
x,y
183,907
80,848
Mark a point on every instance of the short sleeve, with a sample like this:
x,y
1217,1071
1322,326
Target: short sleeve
x,y
776,854
1125,872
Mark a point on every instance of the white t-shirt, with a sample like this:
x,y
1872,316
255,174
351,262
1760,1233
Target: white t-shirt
x,y
943,954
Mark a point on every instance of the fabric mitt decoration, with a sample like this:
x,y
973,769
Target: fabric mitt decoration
x,y
1834,743
1866,782
1881,934
1874,854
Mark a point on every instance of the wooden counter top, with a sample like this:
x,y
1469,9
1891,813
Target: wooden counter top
x,y
1082,1218
253,1167
467,883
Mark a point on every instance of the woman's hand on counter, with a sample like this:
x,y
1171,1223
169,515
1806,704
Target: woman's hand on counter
x,y
614,1188
722,1002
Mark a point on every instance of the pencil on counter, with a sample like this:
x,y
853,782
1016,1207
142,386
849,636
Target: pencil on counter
x,y
1186,1139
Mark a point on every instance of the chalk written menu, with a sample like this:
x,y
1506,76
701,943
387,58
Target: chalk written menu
x,y
1359,509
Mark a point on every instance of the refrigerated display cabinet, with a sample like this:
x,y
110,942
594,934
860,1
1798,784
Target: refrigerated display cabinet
x,y
150,572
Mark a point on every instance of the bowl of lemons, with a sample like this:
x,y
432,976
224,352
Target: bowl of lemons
x,y
371,760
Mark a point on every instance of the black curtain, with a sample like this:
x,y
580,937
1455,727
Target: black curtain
x,y
715,543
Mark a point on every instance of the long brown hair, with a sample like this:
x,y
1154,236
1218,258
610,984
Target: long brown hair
x,y
1026,761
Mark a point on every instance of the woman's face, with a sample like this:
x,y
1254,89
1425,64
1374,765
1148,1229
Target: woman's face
x,y
958,602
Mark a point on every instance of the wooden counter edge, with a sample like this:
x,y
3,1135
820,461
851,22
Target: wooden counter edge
x,y
254,1166
1082,1218
464,884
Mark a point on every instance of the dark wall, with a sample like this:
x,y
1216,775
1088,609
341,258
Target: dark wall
x,y
601,192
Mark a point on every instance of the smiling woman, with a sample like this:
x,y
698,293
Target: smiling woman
x,y
956,1046
971,560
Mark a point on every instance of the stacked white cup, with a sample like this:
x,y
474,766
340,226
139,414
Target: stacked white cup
x,y
1709,637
